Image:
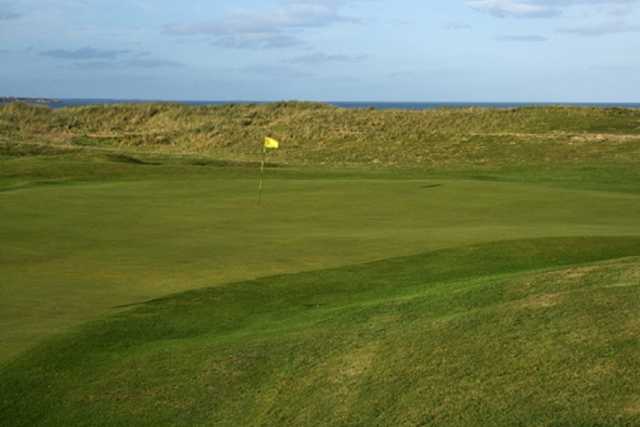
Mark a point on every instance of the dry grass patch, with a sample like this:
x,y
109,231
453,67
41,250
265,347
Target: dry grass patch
x,y
633,408
579,272
321,134
540,301
355,364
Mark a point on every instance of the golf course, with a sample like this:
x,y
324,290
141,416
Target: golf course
x,y
447,267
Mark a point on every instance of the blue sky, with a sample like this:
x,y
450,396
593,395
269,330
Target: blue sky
x,y
366,50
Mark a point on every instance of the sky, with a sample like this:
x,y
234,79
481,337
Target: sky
x,y
322,50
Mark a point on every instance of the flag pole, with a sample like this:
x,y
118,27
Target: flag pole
x,y
269,143
264,157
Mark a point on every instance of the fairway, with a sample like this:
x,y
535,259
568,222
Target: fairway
x,y
450,337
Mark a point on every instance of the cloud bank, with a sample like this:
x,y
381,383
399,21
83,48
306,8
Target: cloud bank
x,y
7,12
84,53
323,58
268,29
537,8
94,58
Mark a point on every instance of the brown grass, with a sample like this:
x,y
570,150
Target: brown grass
x,y
320,134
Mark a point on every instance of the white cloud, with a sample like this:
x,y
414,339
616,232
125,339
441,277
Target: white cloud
x,y
512,8
85,53
95,58
540,8
272,28
264,40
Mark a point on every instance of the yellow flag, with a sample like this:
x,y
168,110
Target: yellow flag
x,y
271,143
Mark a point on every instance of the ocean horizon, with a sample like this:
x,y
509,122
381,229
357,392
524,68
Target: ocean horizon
x,y
381,105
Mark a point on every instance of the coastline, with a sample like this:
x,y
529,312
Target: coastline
x,y
384,105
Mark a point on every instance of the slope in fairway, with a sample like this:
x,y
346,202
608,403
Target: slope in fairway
x,y
527,332
72,252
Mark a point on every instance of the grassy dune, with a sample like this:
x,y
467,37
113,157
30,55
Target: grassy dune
x,y
449,267
320,134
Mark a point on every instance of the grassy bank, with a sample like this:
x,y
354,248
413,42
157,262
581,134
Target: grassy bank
x,y
533,332
316,134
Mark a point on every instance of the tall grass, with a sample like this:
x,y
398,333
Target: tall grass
x,y
322,134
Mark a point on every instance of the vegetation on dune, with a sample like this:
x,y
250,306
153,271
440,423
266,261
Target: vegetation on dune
x,y
532,332
321,134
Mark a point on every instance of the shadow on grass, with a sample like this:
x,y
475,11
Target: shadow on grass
x,y
37,184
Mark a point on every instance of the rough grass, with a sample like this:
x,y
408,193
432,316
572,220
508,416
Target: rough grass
x,y
323,135
461,337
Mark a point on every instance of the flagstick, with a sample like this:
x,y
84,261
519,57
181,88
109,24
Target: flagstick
x,y
264,156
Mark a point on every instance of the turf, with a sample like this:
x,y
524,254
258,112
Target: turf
x,y
76,248
512,333
493,282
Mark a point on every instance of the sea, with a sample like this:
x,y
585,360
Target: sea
x,y
61,103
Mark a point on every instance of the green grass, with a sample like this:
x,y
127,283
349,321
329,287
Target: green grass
x,y
453,267
496,334
74,247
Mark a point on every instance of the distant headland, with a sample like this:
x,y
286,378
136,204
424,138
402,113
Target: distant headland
x,y
377,105
39,101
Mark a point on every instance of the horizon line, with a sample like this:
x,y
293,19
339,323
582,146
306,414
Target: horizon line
x,y
307,100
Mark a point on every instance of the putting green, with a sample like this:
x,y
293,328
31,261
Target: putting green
x,y
74,252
